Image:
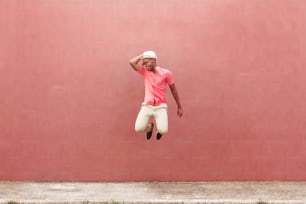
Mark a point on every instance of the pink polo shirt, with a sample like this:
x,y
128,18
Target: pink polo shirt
x,y
155,85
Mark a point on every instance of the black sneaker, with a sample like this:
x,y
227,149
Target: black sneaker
x,y
149,134
158,136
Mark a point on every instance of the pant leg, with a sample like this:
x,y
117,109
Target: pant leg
x,y
143,118
161,119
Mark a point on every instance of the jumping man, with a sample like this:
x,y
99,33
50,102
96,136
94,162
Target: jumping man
x,y
154,106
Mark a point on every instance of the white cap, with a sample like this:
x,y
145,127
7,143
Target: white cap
x,y
149,54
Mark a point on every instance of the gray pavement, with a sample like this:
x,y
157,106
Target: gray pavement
x,y
153,192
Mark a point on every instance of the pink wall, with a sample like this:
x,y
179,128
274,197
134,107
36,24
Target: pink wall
x,y
68,98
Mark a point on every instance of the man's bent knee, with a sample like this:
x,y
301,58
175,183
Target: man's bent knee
x,y
140,128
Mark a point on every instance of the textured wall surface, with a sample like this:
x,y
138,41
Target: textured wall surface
x,y
69,100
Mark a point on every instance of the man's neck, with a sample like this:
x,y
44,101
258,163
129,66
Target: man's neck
x,y
154,69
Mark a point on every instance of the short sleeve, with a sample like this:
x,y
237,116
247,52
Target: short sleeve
x,y
141,70
170,79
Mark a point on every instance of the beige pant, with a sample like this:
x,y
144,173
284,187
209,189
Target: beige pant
x,y
159,113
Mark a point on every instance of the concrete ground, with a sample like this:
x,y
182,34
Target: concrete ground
x,y
153,192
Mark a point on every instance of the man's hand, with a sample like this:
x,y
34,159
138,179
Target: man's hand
x,y
179,112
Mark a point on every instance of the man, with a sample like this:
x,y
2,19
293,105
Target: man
x,y
154,106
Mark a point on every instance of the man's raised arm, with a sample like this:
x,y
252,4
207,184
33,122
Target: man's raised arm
x,y
134,62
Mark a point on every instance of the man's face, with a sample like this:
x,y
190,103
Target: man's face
x,y
149,63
